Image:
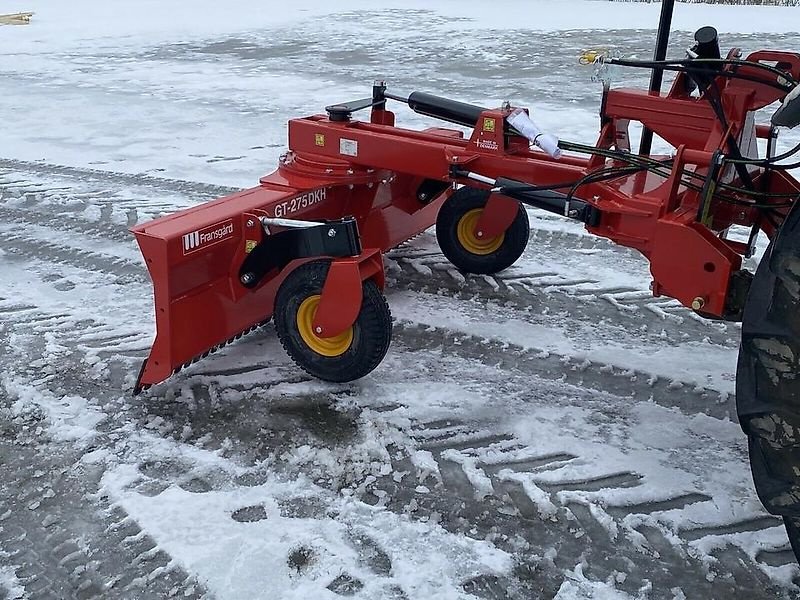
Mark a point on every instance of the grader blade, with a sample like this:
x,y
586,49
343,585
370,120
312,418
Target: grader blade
x,y
192,259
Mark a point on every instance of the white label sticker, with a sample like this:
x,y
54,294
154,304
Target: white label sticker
x,y
202,238
348,147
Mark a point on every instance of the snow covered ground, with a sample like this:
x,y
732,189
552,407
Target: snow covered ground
x,y
549,432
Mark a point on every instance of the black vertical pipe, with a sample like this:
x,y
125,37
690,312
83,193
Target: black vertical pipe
x,y
662,41
379,95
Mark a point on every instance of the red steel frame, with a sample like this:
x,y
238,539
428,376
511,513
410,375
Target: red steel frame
x,y
372,171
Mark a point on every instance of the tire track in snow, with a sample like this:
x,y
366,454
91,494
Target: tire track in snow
x,y
583,373
9,167
658,320
63,547
62,539
499,500
22,246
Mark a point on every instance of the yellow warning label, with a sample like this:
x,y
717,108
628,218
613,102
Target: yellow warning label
x,y
319,139
488,125
249,245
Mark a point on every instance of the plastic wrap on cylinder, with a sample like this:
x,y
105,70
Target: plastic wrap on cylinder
x,y
520,121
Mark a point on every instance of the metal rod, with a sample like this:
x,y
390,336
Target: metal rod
x,y
480,178
291,223
395,97
657,76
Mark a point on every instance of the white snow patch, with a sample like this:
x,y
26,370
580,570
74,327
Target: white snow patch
x,y
72,418
249,559
9,582
578,587
425,465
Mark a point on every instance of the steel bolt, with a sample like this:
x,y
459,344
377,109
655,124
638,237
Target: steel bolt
x,y
331,232
250,222
479,234
318,330
247,278
698,303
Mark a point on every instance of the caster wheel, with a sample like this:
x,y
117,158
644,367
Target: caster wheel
x,y
455,231
345,357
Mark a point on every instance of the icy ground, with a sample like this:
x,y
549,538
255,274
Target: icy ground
x,y
552,432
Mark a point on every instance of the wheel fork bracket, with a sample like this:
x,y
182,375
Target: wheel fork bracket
x,y
342,294
299,239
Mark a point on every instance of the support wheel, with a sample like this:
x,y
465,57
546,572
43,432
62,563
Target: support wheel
x,y
768,378
455,231
345,357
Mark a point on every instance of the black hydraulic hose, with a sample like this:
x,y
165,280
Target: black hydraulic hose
x,y
767,161
659,168
698,64
786,167
714,99
603,175
728,74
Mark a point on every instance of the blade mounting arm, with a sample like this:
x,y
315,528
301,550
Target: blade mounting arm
x,y
299,239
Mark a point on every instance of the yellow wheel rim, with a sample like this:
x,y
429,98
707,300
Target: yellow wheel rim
x,y
334,346
471,242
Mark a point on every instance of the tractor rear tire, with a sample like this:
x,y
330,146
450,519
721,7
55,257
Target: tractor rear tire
x,y
768,378
345,357
455,232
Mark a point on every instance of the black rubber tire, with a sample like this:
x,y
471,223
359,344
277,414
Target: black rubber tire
x,y
768,379
372,331
453,210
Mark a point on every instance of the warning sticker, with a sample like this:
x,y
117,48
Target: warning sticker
x,y
348,147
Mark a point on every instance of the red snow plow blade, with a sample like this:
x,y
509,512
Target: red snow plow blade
x,y
205,293
217,268
190,256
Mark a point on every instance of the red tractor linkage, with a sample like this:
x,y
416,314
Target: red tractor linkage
x,y
304,248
